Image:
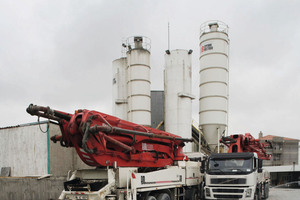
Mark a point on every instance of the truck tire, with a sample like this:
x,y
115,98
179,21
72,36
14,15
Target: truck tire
x,y
257,195
266,190
202,195
163,196
151,198
192,194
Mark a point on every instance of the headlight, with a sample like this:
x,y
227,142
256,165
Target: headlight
x,y
248,192
207,192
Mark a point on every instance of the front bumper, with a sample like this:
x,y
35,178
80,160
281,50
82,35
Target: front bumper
x,y
213,192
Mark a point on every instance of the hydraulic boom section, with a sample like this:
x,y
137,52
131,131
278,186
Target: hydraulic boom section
x,y
246,143
102,140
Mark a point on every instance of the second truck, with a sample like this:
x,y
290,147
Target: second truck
x,y
238,174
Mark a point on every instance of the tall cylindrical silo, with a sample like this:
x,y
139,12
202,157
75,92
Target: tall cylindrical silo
x,y
213,101
138,80
120,88
178,98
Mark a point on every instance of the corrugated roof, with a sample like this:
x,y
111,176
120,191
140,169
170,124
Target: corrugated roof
x,y
270,137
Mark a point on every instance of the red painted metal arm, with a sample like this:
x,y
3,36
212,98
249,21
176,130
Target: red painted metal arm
x,y
101,139
246,143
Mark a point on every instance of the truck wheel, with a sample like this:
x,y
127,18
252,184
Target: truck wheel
x,y
266,190
202,195
150,198
192,194
163,196
257,195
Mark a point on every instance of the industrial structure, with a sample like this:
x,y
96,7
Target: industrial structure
x,y
131,82
213,100
119,88
138,82
178,94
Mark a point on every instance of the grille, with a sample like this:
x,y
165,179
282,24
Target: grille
x,y
228,181
227,196
224,190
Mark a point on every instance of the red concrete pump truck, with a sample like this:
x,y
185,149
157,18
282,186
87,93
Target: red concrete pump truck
x,y
132,161
238,174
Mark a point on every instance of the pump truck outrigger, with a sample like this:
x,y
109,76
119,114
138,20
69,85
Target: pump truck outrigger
x,y
238,174
132,161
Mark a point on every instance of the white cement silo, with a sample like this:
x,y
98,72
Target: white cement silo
x,y
213,102
138,80
120,88
178,98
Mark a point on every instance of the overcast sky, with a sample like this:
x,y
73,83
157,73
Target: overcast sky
x,y
60,53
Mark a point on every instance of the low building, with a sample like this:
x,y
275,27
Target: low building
x,y
284,165
285,176
284,151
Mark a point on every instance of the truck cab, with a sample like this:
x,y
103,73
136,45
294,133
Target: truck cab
x,y
235,176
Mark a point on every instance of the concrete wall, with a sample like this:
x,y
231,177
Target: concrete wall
x,y
29,151
30,188
290,152
61,159
24,149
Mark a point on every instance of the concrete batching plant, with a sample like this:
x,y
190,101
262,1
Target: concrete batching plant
x,y
132,85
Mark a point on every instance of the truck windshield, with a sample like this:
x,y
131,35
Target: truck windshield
x,y
228,166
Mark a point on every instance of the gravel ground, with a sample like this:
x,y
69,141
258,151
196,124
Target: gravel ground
x,y
284,194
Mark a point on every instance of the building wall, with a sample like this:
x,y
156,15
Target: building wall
x,y
61,159
30,188
284,152
290,152
292,178
24,149
29,152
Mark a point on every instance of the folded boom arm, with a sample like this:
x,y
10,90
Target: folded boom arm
x,y
102,140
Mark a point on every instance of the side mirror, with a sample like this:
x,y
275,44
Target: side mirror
x,y
202,168
260,164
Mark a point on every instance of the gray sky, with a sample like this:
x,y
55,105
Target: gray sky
x,y
59,54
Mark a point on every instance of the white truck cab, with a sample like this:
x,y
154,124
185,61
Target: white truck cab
x,y
235,176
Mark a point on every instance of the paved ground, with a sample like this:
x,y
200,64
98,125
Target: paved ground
x,y
284,194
